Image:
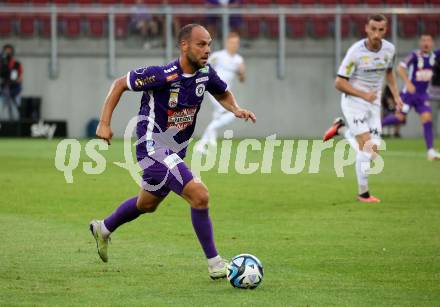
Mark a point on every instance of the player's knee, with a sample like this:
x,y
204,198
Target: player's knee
x,y
426,117
401,117
146,207
201,199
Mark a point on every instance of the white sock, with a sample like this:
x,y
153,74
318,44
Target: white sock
x,y
349,137
363,160
104,231
214,261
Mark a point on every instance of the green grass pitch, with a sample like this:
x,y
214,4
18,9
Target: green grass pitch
x,y
318,246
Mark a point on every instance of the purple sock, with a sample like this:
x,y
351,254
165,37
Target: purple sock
x,y
391,120
427,132
203,228
126,212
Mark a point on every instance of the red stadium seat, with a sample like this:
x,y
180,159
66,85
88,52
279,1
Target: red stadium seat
x,y
39,2
350,2
44,25
328,2
345,26
16,2
96,24
418,2
408,26
296,26
358,22
395,2
431,25
272,26
259,2
251,26
61,2
5,24
373,2
321,26
121,25
85,2
71,25
107,2
436,2
284,2
26,25
176,2
306,2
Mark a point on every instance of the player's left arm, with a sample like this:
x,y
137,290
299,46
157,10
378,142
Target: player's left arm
x,y
219,89
392,84
227,100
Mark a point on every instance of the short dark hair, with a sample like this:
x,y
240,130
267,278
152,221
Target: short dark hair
x,y
185,32
8,46
377,17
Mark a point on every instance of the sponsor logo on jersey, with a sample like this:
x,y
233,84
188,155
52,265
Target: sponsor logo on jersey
x,y
139,82
200,90
172,77
202,79
181,118
175,84
349,68
424,75
170,69
204,69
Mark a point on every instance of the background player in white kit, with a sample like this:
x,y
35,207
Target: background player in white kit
x,y
229,65
360,79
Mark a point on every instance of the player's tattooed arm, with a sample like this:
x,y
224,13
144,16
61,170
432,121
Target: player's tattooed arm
x,y
104,131
342,85
392,84
227,100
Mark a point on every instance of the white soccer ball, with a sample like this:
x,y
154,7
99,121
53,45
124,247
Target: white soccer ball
x,y
245,271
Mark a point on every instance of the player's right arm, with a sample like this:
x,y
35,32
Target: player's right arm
x,y
402,71
141,79
342,85
104,131
346,70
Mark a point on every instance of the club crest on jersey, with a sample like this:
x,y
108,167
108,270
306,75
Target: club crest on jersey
x,y
200,90
172,102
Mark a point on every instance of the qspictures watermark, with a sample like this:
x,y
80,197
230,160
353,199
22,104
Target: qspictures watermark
x,y
223,158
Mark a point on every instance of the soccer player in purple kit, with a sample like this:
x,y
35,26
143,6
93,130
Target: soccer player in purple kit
x,y
172,96
416,72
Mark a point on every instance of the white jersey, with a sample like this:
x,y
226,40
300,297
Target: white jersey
x,y
226,65
365,69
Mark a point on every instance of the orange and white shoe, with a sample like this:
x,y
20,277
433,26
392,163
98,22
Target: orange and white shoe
x,y
370,199
333,130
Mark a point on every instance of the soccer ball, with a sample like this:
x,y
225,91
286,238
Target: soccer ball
x,y
245,271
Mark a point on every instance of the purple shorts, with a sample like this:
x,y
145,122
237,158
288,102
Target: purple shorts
x,y
164,173
420,103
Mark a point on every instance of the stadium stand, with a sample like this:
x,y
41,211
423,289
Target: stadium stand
x,y
297,27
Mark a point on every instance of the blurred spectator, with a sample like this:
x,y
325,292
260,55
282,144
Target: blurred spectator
x,y
389,107
213,22
11,75
144,24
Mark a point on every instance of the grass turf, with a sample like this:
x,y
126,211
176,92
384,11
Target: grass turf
x,y
319,247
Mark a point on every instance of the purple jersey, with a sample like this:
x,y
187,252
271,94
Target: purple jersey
x,y
419,66
171,99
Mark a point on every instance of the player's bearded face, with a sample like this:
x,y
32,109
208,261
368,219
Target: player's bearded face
x,y
375,32
426,43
